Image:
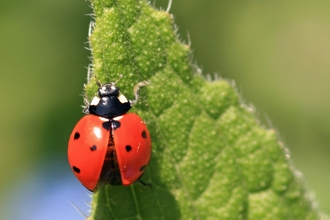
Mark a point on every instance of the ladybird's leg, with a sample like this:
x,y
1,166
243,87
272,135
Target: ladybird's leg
x,y
86,106
136,91
144,184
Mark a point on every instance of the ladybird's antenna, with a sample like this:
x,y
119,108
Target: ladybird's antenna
x,y
136,91
144,183
97,81
86,106
120,76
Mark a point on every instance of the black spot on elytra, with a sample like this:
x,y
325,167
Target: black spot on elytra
x,y
93,148
144,134
115,124
106,125
76,169
128,148
76,136
143,168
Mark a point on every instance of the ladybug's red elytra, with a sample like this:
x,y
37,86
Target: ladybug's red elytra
x,y
109,145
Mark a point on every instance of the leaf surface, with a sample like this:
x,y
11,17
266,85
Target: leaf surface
x,y
211,159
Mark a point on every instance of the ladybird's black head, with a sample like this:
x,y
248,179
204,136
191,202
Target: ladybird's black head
x,y
109,102
108,89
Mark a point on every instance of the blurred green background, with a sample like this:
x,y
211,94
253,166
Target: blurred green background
x,y
278,53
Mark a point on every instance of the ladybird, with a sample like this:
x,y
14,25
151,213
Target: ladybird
x,y
109,145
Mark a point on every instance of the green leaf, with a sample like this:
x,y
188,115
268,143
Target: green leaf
x,y
211,158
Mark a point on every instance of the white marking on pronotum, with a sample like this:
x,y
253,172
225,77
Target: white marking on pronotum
x,y
122,98
95,101
169,6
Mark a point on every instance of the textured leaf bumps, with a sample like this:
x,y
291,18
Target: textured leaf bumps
x,y
211,158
